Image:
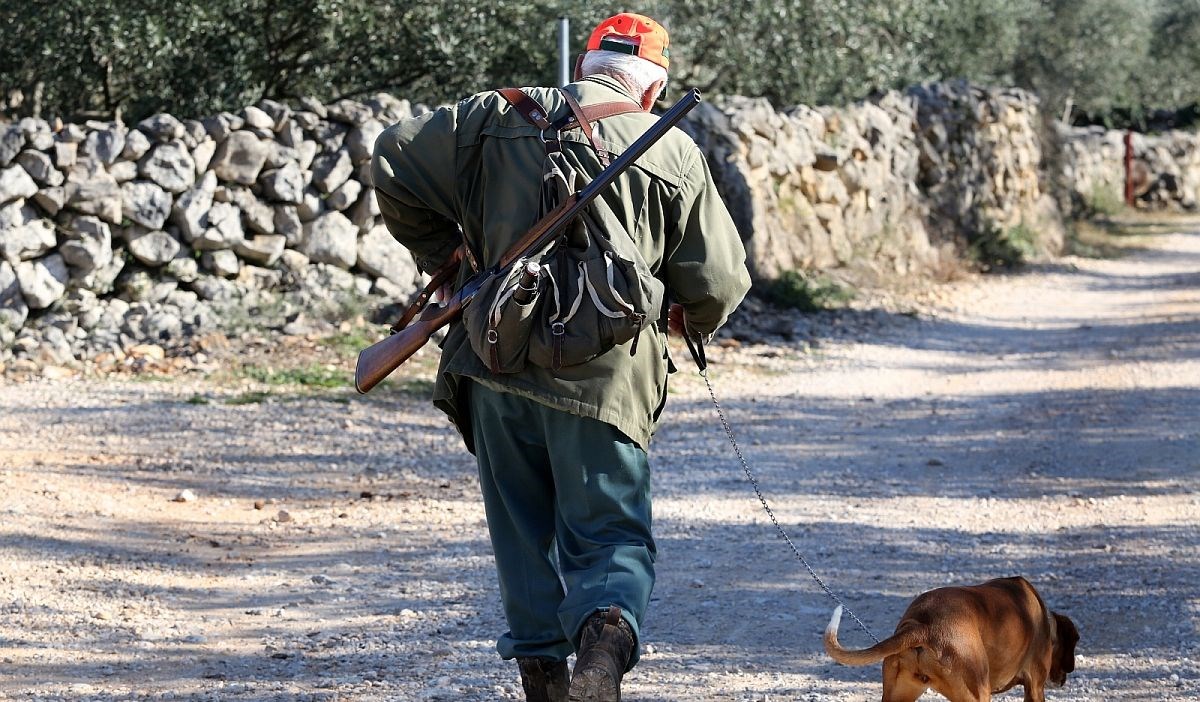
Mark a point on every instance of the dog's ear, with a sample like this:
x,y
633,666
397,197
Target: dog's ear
x,y
1067,637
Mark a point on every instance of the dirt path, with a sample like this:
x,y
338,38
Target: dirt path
x,y
1045,424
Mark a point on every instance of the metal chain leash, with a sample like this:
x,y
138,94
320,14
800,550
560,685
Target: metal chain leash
x,y
770,513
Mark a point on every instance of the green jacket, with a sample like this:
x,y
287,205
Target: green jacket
x,y
476,167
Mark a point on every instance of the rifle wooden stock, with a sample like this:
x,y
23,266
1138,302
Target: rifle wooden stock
x,y
378,361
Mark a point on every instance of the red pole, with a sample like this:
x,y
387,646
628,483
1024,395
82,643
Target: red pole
x,y
1129,168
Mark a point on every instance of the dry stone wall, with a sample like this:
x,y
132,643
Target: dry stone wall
x,y
112,237
1166,168
894,185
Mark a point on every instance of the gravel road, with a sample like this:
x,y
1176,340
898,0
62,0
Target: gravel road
x,y
330,547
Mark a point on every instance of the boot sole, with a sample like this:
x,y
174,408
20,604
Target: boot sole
x,y
594,686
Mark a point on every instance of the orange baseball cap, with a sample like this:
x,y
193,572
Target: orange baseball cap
x,y
629,33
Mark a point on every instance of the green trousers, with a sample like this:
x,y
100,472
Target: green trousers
x,y
568,508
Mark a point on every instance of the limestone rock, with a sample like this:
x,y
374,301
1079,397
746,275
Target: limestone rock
x,y
360,142
314,106
290,134
307,153
88,247
219,127
330,171
294,262
310,207
330,136
101,280
51,199
344,196
256,215
65,154
279,155
278,112
284,184
123,171
153,248
145,203
27,239
258,119
16,214
16,183
239,158
349,112
43,281
202,154
183,269
105,145
162,127
365,211
364,175
262,249
380,255
224,228
287,224
214,288
12,140
170,165
37,133
13,310
193,132
332,239
388,109
190,212
39,167
224,263
136,146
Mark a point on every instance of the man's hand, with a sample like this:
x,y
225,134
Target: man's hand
x,y
675,319
443,293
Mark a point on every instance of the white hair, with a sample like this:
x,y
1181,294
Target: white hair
x,y
639,73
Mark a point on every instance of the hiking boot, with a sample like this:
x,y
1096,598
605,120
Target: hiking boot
x,y
544,680
604,651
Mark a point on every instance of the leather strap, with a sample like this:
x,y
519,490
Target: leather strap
x,y
580,117
609,109
529,108
586,126
439,278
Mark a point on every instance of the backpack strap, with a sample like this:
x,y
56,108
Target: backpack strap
x,y
586,126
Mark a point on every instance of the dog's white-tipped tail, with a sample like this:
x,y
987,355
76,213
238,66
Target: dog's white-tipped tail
x,y
834,622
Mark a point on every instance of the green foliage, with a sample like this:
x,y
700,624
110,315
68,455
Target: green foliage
x,y
309,376
1172,72
1004,248
412,387
136,57
248,398
1090,53
1104,202
807,293
351,342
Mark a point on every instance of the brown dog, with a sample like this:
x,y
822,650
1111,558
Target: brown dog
x,y
968,642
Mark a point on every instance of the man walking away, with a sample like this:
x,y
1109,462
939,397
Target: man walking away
x,y
562,448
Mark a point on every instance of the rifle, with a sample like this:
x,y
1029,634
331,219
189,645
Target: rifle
x,y
378,361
